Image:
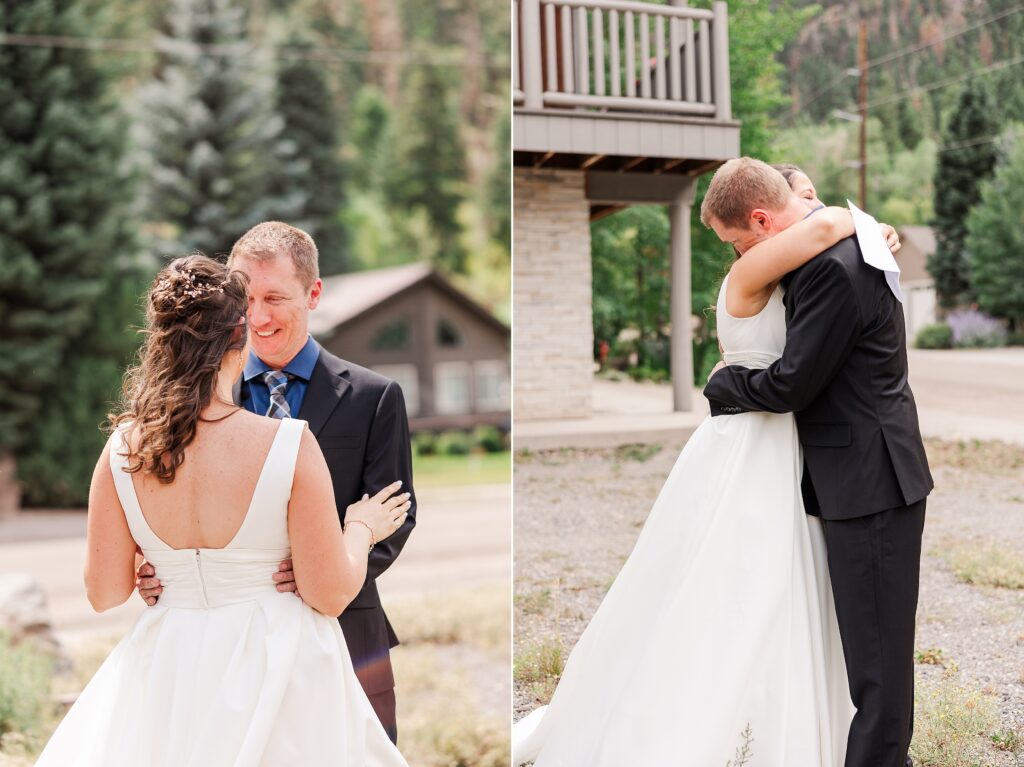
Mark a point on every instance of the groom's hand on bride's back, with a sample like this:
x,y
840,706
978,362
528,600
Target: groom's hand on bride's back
x,y
284,578
148,584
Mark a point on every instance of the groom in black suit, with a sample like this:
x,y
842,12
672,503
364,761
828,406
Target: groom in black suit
x,y
844,375
357,416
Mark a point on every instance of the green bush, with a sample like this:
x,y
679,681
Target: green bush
x,y
937,336
454,442
424,443
644,373
490,439
24,686
483,439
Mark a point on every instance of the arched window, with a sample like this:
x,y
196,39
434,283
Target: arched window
x,y
394,335
447,334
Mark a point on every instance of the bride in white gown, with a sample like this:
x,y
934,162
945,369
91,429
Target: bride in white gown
x,y
224,670
722,617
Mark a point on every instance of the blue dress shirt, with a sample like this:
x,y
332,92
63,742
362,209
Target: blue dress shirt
x,y
256,395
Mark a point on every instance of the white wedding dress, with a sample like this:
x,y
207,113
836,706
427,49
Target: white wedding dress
x,y
721,618
224,671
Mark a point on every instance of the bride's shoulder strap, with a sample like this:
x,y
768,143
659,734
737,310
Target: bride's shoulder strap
x,y
283,455
119,452
291,440
266,523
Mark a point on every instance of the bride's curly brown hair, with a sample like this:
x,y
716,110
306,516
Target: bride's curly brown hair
x,y
195,314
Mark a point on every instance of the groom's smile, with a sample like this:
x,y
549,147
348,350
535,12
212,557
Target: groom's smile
x,y
279,306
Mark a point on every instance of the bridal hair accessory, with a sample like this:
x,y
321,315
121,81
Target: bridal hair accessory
x,y
192,288
360,522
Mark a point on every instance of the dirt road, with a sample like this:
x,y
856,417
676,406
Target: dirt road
x,y
462,541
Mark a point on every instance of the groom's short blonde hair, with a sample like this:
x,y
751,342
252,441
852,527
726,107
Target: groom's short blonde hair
x,y
738,187
267,241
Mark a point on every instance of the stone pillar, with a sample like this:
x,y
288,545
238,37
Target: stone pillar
x,y
681,343
553,336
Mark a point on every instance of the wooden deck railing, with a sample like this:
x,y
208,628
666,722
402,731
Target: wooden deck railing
x,y
621,55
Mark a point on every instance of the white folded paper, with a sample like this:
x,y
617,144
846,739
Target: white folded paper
x,y
876,253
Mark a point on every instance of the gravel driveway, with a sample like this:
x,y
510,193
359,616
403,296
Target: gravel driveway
x,y
578,513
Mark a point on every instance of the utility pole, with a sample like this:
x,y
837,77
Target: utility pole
x,y
862,65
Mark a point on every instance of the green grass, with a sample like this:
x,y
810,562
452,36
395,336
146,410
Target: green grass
x,y
538,666
27,715
479,618
638,453
447,470
452,652
952,724
534,603
985,565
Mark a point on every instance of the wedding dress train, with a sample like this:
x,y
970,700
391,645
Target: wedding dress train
x,y
722,617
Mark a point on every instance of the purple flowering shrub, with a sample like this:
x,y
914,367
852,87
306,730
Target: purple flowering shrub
x,y
972,329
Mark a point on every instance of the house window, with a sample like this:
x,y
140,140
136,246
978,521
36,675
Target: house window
x,y
491,386
447,334
394,335
451,388
407,377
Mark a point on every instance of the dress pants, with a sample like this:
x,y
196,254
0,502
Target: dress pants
x,y
875,564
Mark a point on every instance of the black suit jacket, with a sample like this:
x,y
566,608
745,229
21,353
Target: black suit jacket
x,y
359,420
844,374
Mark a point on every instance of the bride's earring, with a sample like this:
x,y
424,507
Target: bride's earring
x,y
241,363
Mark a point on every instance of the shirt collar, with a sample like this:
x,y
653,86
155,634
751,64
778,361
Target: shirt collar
x,y
815,210
300,366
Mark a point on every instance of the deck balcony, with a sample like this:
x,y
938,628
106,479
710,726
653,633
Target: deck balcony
x,y
621,85
615,103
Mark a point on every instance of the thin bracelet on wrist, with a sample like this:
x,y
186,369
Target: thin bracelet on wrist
x,y
369,529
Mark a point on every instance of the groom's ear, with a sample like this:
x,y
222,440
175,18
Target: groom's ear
x,y
760,219
314,294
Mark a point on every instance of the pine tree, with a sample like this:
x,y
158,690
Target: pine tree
x,y
430,163
311,125
499,189
995,239
65,238
908,121
210,141
370,137
958,176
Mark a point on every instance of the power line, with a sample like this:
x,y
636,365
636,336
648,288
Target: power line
x,y
969,142
244,50
923,46
943,83
909,50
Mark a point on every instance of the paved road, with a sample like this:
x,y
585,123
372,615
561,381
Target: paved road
x,y
962,394
970,394
462,540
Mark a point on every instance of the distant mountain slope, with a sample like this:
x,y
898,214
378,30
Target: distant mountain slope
x,y
929,44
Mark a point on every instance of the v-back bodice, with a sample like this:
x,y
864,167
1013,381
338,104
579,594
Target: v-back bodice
x,y
224,669
242,570
753,342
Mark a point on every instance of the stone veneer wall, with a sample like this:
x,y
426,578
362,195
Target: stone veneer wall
x,y
552,337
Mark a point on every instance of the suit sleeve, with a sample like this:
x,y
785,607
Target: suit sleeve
x,y
389,458
822,329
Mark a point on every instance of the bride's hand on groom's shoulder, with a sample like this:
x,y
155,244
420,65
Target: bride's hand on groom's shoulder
x,y
892,238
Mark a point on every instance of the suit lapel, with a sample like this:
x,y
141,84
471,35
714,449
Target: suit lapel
x,y
326,387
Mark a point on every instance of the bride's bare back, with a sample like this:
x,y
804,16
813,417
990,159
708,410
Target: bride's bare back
x,y
207,502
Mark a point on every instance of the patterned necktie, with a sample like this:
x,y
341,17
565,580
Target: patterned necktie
x,y
277,381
